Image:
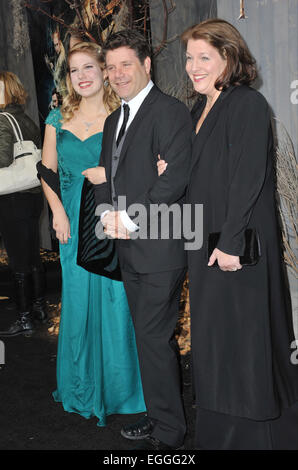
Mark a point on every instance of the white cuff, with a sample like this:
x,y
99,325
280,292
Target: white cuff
x,y
103,214
127,222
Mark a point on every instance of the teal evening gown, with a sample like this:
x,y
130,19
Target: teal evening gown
x,y
97,366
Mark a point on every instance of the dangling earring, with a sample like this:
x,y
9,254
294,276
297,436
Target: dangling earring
x,y
106,82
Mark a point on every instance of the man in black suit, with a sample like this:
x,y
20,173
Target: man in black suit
x,y
149,123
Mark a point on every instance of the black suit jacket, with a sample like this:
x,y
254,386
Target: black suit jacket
x,y
162,126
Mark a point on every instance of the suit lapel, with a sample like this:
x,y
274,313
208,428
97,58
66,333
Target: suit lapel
x,y
137,121
208,125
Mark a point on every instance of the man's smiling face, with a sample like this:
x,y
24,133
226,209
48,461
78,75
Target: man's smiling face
x,y
127,75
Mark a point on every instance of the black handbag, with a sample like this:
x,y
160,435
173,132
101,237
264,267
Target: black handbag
x,y
95,255
252,250
98,256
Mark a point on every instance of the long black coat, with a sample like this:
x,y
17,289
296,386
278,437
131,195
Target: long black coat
x,y
241,324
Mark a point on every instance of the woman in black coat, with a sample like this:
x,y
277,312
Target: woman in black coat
x,y
245,370
19,214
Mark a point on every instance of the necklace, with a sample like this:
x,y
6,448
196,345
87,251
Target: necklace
x,y
87,124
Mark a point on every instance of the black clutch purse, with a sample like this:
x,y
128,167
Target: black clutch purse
x,y
95,255
252,251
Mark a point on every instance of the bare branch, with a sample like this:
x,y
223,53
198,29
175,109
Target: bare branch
x,y
76,6
287,171
165,26
40,10
59,20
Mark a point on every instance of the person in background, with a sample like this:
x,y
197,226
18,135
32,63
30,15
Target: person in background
x,y
97,365
56,99
246,380
57,62
19,215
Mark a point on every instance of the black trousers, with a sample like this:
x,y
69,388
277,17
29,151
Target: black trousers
x,y
19,228
154,304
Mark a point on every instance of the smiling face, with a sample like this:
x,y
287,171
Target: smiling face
x,y
127,75
204,65
85,74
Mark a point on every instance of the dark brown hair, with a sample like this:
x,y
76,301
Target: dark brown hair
x,y
129,38
241,65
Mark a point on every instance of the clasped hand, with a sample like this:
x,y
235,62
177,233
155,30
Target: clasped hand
x,y
161,166
225,262
96,175
114,227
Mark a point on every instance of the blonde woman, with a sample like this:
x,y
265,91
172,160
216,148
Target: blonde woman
x,y
97,366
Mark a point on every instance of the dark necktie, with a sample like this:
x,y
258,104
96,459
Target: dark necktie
x,y
125,119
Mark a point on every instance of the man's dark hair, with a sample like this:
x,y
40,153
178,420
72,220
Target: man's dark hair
x,y
129,38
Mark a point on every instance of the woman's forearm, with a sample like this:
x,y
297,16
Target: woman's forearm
x,y
52,198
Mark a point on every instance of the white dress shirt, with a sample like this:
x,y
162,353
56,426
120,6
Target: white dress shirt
x,y
134,105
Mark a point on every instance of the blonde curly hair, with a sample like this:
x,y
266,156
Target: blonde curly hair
x,y
72,99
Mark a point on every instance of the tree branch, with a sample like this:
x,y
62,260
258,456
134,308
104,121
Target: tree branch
x,y
165,26
60,20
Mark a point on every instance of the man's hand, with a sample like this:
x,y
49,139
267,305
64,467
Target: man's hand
x,y
113,226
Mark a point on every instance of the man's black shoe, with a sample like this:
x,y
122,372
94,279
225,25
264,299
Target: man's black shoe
x,y
139,430
150,443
